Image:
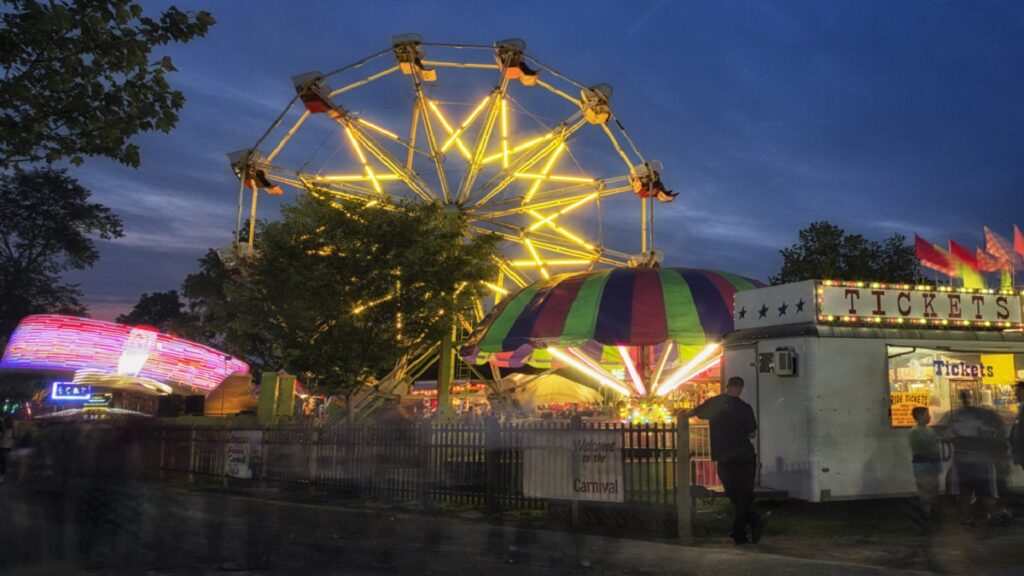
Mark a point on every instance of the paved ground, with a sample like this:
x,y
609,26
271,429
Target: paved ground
x,y
100,528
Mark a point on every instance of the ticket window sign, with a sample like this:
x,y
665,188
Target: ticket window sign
x,y
69,392
942,380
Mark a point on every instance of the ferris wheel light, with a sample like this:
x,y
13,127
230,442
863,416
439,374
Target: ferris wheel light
x,y
462,128
496,288
376,128
536,257
504,133
524,146
448,128
547,168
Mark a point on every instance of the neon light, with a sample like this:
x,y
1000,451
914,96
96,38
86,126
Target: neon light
x,y
690,376
69,344
601,378
69,391
675,379
638,382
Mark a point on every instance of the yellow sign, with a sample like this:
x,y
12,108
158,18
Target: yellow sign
x,y
1003,370
903,403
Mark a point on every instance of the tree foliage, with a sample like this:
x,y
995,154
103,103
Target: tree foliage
x,y
342,292
826,251
46,229
79,78
163,310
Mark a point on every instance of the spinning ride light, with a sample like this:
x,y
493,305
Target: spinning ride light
x,y
115,355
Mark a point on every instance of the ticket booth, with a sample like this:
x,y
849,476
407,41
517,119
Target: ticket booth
x,y
833,370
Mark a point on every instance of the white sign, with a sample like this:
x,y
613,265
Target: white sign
x,y
573,465
885,303
244,447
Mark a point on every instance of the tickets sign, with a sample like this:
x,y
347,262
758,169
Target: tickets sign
x,y
881,304
903,403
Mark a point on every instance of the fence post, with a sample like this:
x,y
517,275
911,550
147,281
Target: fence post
x,y
160,464
684,507
314,456
192,456
425,477
492,443
224,456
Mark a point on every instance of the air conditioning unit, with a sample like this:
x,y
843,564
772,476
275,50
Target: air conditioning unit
x,y
785,362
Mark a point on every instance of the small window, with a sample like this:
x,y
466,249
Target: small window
x,y
937,379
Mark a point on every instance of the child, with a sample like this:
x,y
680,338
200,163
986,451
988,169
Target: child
x,y
927,462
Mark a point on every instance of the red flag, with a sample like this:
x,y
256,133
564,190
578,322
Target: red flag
x,y
999,248
963,254
1018,241
985,262
932,257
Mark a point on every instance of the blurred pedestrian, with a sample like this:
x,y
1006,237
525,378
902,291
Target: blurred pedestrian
x,y
732,426
1017,433
978,436
926,460
6,445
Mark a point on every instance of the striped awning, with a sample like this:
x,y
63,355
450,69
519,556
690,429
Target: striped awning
x,y
615,307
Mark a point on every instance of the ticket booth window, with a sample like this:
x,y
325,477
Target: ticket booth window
x,y
939,379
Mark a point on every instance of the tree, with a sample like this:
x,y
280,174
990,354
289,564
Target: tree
x,y
163,310
79,78
342,292
221,315
46,224
826,251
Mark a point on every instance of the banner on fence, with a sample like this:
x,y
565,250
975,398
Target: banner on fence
x,y
576,465
244,447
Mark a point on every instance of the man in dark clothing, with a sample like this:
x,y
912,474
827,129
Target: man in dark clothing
x,y
732,426
978,436
1017,433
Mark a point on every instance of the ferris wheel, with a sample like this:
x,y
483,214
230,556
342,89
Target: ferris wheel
x,y
517,147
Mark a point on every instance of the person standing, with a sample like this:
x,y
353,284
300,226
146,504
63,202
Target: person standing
x,y
732,426
978,436
1017,433
6,444
927,460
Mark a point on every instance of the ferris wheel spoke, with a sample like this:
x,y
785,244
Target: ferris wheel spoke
x,y
471,65
411,179
497,97
538,204
557,92
423,103
618,148
364,81
287,136
502,179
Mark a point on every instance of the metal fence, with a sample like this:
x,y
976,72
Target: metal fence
x,y
457,465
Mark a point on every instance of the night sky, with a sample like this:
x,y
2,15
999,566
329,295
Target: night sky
x,y
882,117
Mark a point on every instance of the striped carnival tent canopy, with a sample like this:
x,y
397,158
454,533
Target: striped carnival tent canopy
x,y
650,321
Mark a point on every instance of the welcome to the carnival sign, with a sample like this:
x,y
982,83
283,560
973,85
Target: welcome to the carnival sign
x,y
929,305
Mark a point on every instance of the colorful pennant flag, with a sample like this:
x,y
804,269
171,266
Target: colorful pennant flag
x,y
1018,241
999,248
931,256
963,254
985,262
966,266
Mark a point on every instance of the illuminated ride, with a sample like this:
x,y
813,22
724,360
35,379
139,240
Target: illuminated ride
x,y
519,149
108,355
639,332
